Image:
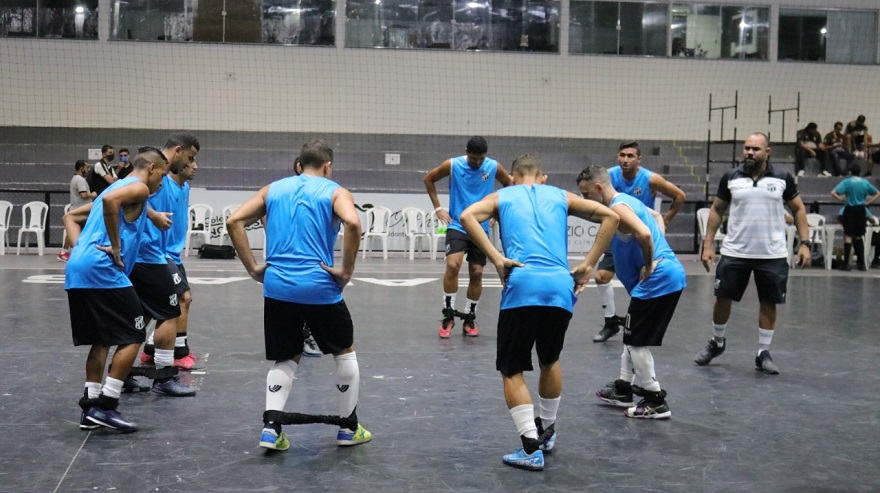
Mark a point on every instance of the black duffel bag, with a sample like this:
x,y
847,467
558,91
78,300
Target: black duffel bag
x,y
225,252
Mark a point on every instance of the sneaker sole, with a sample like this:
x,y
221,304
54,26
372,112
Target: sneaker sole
x,y
105,425
135,390
271,446
525,466
615,403
349,443
89,427
472,334
665,415
168,394
311,355
767,372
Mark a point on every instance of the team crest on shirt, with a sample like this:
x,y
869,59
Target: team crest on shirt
x,y
771,188
637,191
176,278
139,323
172,300
485,176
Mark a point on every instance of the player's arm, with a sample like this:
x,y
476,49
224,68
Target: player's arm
x,y
608,220
664,186
631,224
433,176
249,213
471,218
74,221
133,195
162,220
838,196
871,198
343,207
502,177
716,212
796,206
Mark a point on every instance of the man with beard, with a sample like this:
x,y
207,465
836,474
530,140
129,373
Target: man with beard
x,y
753,196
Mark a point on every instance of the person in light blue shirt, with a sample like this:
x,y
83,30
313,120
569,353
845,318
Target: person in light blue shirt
x,y
856,193
631,178
654,279
471,177
105,310
539,292
301,284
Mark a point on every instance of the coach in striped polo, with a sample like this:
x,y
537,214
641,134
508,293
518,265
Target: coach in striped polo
x,y
753,196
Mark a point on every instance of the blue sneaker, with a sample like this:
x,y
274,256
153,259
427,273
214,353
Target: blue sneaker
x,y
548,444
522,460
172,387
346,437
271,440
85,424
110,418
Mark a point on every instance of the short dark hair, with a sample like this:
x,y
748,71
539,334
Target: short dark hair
x,y
630,143
527,165
861,118
146,155
315,153
838,124
123,150
594,173
105,148
812,126
854,169
762,134
183,139
82,163
477,145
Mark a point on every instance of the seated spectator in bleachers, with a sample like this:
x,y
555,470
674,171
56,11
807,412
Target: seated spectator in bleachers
x,y
810,146
859,142
839,158
856,193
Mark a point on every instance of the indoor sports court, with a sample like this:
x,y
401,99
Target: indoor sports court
x,y
395,89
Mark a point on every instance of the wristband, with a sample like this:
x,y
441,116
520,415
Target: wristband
x,y
806,242
438,209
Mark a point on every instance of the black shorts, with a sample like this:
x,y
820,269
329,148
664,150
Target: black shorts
x,y
456,241
771,277
154,284
606,262
854,220
106,317
283,322
648,319
178,275
521,328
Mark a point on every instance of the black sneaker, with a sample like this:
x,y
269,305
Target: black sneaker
x,y
875,264
132,385
609,330
653,406
711,352
617,393
764,363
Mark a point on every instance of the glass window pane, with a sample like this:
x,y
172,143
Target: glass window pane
x,y
593,27
712,31
802,34
643,29
299,22
68,19
18,18
745,32
153,20
541,27
851,37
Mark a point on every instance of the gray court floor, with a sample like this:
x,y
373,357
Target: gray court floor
x,y
435,407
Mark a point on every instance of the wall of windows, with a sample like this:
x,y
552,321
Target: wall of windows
x,y
618,28
834,36
73,19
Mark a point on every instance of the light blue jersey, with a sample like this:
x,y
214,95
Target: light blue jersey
x,y
534,231
157,244
668,276
92,268
300,233
468,186
639,187
855,189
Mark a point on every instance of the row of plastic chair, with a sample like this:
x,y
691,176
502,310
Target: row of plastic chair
x,y
417,226
33,220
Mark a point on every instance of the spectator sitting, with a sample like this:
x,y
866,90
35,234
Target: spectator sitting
x,y
839,158
810,146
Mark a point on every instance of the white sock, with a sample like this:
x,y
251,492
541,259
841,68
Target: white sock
x,y
163,357
547,410
348,378
718,333
643,363
606,297
93,389
449,300
524,419
472,305
765,337
112,387
626,366
279,381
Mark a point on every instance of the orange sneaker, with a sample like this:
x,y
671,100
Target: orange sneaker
x,y
470,328
188,363
446,328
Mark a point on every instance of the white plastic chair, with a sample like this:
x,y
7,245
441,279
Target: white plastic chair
x,y
227,211
436,231
199,224
5,217
33,220
703,222
63,229
415,227
378,224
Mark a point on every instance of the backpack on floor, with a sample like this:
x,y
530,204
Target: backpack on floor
x,y
224,252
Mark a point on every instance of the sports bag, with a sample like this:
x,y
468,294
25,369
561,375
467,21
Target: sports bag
x,y
216,252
